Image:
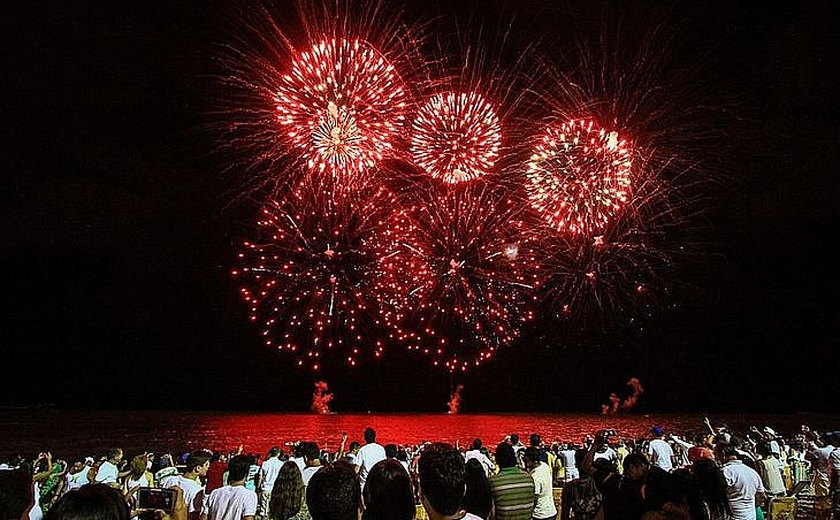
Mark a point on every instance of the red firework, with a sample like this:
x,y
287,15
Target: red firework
x,y
580,176
475,289
456,137
313,275
341,105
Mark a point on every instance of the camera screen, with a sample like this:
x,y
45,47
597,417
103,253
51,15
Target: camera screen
x,y
153,498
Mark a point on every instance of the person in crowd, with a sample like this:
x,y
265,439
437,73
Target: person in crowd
x,y
387,493
268,474
368,455
77,474
334,493
745,490
659,450
51,487
91,501
622,492
569,453
287,495
107,471
478,501
475,453
17,497
442,472
544,509
664,496
512,488
197,465
702,449
139,475
768,469
232,501
708,498
312,460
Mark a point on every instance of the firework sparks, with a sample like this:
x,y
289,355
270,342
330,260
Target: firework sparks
x,y
456,137
477,287
312,277
580,176
341,105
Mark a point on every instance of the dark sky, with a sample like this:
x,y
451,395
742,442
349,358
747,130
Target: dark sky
x,y
117,236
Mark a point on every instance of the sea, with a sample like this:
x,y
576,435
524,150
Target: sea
x,y
81,433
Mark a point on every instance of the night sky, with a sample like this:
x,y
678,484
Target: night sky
x,y
118,227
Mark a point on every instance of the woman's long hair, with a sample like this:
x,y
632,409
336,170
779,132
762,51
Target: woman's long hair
x,y
287,493
711,484
387,493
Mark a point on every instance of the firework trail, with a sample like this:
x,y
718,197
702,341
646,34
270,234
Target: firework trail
x,y
312,275
321,399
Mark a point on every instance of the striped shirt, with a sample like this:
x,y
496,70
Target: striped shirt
x,y
513,494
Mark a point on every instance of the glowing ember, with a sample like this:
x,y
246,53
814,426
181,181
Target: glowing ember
x,y
580,176
456,137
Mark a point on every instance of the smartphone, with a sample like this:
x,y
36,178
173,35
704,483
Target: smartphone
x,y
156,498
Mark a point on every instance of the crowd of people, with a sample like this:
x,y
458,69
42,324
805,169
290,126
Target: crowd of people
x,y
712,474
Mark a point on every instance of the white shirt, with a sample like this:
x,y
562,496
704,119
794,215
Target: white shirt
x,y
568,459
270,469
299,461
482,458
77,480
193,491
130,483
107,473
545,507
608,454
368,456
742,485
307,473
660,454
230,503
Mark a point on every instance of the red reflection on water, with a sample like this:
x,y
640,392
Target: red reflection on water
x,y
70,434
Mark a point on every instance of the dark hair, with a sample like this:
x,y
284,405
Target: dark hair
x,y
505,456
441,470
15,493
514,438
355,445
370,435
113,452
273,452
90,502
477,500
197,459
238,468
390,451
535,439
635,459
476,445
387,492
310,451
711,486
287,493
531,453
726,450
660,487
333,493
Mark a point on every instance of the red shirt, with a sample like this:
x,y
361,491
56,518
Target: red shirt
x,y
215,475
700,452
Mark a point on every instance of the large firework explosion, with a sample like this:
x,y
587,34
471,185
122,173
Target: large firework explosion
x,y
477,287
580,176
323,92
486,213
314,274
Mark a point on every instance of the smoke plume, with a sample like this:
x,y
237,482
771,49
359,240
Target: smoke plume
x,y
616,404
321,399
455,401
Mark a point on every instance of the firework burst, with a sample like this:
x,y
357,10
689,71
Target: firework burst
x,y
314,275
341,105
476,289
456,137
323,92
580,176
